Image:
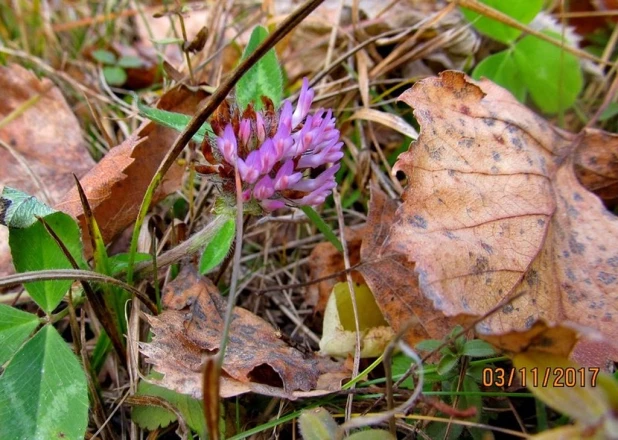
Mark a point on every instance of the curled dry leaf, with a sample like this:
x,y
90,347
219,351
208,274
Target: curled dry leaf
x,y
42,143
494,210
392,279
256,358
596,165
115,187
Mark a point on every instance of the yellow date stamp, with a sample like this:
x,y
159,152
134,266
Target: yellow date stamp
x,y
557,377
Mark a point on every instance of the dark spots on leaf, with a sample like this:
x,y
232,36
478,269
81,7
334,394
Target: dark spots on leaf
x,y
543,165
576,247
4,207
436,154
613,261
507,309
480,266
572,212
577,197
540,222
608,317
566,254
466,142
570,275
496,156
484,328
464,304
489,122
464,109
499,139
517,143
451,173
418,221
495,170
606,278
592,160
532,278
529,321
533,301
487,248
450,235
572,294
603,248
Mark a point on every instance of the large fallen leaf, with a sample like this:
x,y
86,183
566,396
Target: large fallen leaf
x,y
493,210
256,358
392,278
42,143
115,187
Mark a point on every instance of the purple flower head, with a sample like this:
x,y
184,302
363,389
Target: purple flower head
x,y
284,156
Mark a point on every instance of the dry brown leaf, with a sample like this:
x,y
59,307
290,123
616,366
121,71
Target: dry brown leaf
x,y
392,279
115,187
596,164
256,358
494,210
326,261
391,120
45,140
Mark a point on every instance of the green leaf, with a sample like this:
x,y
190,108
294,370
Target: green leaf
x,y
151,417
429,345
114,75
401,364
104,56
130,62
20,210
501,69
317,424
478,348
263,79
609,112
322,226
218,248
447,364
176,121
15,327
119,262
43,393
369,314
552,76
473,399
371,434
33,249
523,11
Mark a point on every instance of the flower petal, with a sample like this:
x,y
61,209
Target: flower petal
x,y
227,145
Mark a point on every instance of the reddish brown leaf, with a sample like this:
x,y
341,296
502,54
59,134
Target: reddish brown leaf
x,y
596,164
256,359
392,279
115,187
326,261
45,136
493,210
